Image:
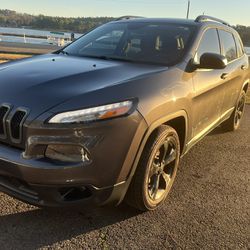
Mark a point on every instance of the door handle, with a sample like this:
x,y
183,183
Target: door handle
x,y
224,76
244,67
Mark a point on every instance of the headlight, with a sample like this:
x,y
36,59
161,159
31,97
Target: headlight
x,y
93,114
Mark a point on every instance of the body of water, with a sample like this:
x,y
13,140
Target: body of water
x,y
31,32
17,39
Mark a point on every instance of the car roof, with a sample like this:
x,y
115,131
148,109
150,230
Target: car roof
x,y
158,20
180,21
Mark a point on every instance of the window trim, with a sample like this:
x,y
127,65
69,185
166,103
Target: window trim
x,y
237,37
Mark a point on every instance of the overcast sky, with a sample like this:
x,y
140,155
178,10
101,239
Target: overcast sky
x,y
233,11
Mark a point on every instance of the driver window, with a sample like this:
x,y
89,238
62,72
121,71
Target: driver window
x,y
209,44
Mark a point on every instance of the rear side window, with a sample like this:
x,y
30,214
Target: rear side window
x,y
209,44
228,44
240,50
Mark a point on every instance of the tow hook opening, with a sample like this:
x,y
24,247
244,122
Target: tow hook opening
x,y
74,193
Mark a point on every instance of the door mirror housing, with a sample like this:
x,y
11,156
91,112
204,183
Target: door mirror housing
x,y
212,61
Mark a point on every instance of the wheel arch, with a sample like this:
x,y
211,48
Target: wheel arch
x,y
179,124
245,85
177,120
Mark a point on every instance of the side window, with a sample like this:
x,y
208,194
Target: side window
x,y
209,44
228,44
240,50
133,46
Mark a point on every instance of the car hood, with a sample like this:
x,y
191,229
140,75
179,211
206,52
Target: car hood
x,y
42,82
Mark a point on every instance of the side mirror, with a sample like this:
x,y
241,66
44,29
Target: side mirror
x,y
212,61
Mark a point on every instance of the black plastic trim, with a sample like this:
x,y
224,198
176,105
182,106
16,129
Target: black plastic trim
x,y
14,140
204,18
8,106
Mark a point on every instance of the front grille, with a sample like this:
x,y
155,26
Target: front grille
x,y
3,114
16,124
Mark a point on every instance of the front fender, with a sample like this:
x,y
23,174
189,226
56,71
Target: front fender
x,y
151,128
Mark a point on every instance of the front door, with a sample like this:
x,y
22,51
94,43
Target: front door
x,y
208,88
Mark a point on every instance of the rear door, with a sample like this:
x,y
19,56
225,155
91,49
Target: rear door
x,y
208,87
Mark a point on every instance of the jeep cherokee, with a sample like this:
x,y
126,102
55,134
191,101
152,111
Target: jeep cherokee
x,y
109,116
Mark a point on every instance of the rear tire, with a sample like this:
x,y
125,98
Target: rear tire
x,y
156,170
233,123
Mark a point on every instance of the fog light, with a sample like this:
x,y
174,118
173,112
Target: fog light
x,y
67,153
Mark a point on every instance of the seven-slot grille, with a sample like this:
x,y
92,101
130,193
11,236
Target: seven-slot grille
x,y
11,123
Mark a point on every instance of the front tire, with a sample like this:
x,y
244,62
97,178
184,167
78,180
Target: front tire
x,y
156,170
233,123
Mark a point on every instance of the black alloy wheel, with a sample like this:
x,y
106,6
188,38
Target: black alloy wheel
x,y
233,123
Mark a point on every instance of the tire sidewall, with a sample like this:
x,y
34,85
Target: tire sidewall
x,y
242,95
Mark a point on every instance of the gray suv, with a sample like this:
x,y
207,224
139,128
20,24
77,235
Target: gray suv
x,y
108,117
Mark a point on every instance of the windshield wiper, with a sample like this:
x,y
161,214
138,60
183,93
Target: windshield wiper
x,y
121,59
109,58
97,57
63,52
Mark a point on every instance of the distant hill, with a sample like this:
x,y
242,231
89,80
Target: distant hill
x,y
10,18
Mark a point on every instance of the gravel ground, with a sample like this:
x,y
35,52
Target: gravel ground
x,y
209,208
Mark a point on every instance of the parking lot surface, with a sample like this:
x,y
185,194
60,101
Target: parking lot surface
x,y
208,208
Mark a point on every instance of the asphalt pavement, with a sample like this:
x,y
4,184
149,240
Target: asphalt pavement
x,y
208,208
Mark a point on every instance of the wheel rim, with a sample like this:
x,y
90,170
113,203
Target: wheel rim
x,y
162,169
239,111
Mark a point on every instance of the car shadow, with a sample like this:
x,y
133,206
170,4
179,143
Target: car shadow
x,y
42,227
217,131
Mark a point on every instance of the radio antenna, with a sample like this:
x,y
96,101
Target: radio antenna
x,y
188,9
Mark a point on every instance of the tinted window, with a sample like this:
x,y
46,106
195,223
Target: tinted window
x,y
138,42
209,44
228,43
239,46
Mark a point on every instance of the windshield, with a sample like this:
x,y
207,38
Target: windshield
x,y
136,42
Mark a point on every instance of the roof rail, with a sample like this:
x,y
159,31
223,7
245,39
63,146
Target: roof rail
x,y
204,18
127,18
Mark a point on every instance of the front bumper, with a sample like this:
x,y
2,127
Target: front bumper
x,y
61,196
45,182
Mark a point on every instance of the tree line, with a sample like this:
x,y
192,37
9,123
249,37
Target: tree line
x,y
244,32
9,18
